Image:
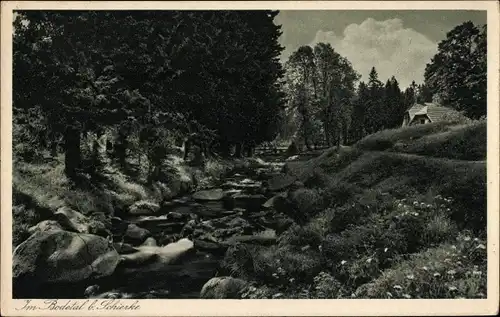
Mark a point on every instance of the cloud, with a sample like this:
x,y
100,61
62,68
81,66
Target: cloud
x,y
387,45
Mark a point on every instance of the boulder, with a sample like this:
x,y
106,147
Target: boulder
x,y
136,234
249,202
72,220
280,182
124,248
45,225
150,242
212,247
61,257
223,288
143,207
209,194
270,202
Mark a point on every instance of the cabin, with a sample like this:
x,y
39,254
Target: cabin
x,y
422,113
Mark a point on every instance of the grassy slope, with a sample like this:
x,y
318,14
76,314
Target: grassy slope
x,y
403,216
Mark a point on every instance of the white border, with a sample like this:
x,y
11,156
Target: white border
x,y
350,307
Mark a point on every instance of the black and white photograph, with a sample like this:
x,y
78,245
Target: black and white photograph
x,y
248,154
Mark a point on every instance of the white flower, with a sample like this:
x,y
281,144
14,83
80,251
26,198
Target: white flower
x,y
425,268
452,288
343,262
369,260
389,294
476,239
436,274
406,296
477,273
415,213
385,250
397,287
453,247
481,246
451,272
467,238
410,276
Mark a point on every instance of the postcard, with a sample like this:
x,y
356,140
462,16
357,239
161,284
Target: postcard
x,y
220,158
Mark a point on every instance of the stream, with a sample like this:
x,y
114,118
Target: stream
x,y
229,212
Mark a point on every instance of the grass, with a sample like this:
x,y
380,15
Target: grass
x,y
401,214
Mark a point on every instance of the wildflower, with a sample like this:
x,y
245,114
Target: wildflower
x,y
343,262
481,246
436,274
406,296
353,295
476,239
292,280
389,294
385,250
398,287
425,268
410,276
415,213
467,238
477,273
453,247
452,288
451,272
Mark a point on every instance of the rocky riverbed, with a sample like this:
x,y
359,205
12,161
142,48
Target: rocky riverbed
x,y
169,250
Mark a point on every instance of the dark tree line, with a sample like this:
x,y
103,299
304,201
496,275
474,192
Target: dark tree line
x,y
150,76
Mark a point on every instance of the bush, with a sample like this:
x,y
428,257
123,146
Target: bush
x,y
311,234
304,203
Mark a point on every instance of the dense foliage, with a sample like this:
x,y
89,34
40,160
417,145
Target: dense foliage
x,y
157,75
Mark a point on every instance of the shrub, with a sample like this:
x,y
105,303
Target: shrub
x,y
311,234
304,203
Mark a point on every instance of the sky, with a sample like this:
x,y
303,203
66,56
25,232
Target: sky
x,y
398,43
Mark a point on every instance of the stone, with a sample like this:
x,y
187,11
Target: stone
x,y
151,242
210,246
270,202
280,182
45,225
72,220
124,248
61,257
136,234
143,207
223,288
209,195
249,202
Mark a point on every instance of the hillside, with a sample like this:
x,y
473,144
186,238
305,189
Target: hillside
x,y
401,214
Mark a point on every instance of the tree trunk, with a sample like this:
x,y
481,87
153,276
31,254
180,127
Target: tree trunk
x,y
72,159
120,149
238,150
224,149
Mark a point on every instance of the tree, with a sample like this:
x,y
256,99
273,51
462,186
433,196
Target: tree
x,y
301,88
359,112
375,118
393,102
458,71
336,79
